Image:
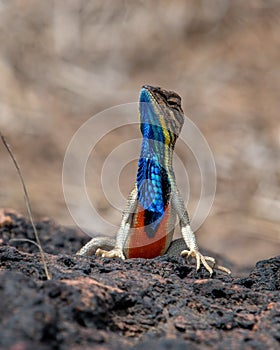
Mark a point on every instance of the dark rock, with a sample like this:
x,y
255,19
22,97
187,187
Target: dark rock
x,y
135,304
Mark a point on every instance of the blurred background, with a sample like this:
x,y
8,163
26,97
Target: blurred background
x,y
62,62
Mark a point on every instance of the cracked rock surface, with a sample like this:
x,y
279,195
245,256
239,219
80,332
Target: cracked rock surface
x,y
97,303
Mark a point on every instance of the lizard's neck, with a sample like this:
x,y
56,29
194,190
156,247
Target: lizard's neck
x,y
158,126
155,174
157,151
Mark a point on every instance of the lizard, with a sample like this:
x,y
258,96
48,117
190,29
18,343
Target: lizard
x,y
149,218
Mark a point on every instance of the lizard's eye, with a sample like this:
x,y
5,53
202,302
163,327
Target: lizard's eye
x,y
174,102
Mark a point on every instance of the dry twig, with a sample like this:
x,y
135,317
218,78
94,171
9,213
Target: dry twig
x,y
27,202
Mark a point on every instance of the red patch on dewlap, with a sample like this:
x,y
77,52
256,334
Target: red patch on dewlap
x,y
140,245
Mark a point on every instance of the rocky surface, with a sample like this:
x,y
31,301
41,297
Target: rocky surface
x,y
96,303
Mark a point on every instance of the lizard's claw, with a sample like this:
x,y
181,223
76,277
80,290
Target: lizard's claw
x,y
200,259
114,253
204,260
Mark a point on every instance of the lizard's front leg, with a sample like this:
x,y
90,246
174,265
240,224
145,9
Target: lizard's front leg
x,y
189,237
122,235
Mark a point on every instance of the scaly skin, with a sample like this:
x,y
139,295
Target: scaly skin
x,y
148,221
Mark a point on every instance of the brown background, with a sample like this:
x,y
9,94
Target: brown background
x,y
62,62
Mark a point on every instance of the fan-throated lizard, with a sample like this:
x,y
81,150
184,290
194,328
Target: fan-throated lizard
x,y
149,218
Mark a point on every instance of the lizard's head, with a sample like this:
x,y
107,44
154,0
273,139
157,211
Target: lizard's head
x,y
161,114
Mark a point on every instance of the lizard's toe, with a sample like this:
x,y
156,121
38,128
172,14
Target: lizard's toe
x,y
114,253
205,260
199,259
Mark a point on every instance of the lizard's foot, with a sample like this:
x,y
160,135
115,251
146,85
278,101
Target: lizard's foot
x,y
114,253
204,260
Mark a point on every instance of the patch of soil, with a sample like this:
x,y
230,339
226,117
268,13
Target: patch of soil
x,y
97,303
